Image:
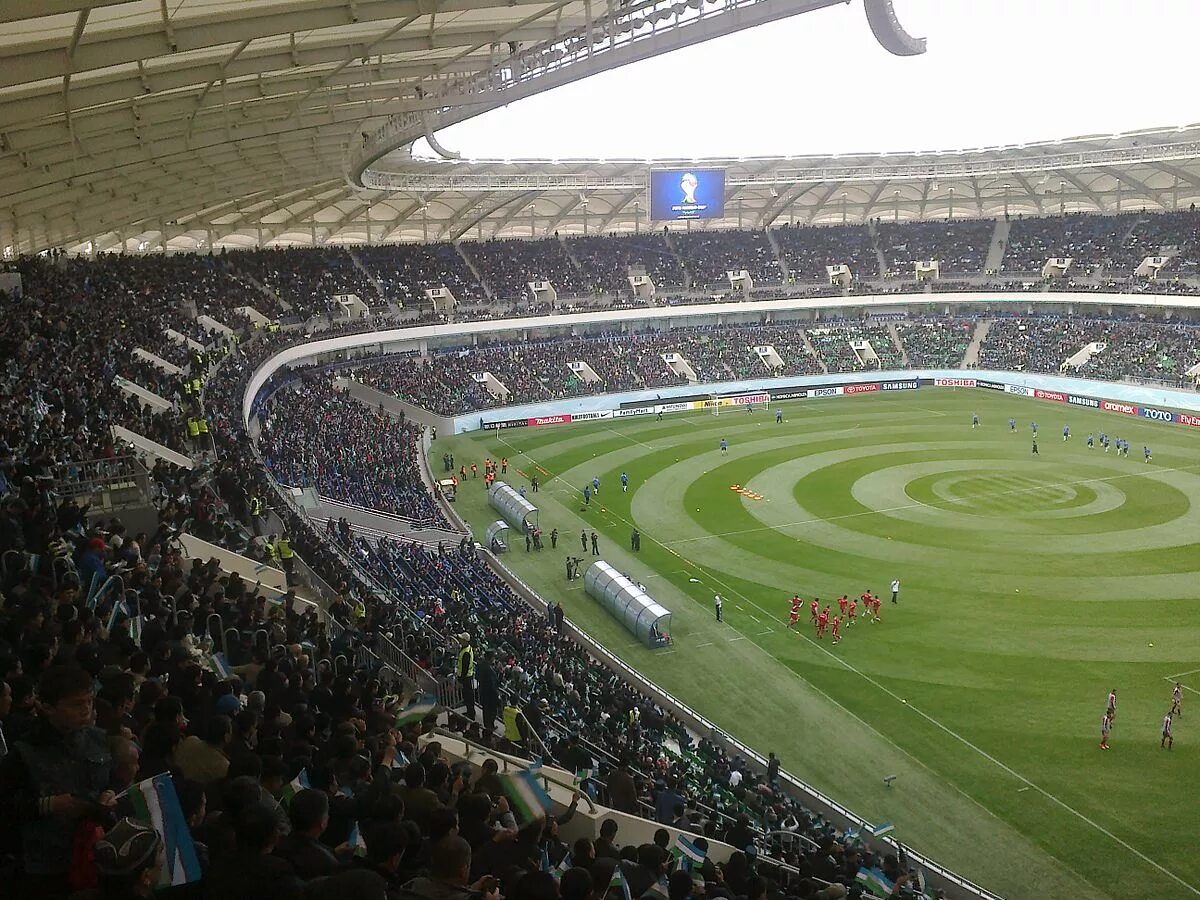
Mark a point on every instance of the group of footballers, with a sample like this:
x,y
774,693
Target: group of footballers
x,y
1104,440
1168,737
824,620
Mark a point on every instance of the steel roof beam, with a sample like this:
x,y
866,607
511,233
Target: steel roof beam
x,y
102,48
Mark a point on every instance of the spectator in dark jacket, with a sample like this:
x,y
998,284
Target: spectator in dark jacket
x,y
309,815
252,872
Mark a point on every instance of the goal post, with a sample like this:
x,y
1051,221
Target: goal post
x,y
738,402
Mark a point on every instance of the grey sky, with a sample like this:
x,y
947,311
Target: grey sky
x,y
996,72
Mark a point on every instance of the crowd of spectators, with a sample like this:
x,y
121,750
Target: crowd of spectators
x,y
508,266
90,704
1088,240
129,692
607,261
405,271
1042,344
936,343
709,255
960,245
1151,350
306,279
807,249
314,435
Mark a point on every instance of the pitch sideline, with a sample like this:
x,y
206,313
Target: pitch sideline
x,y
937,724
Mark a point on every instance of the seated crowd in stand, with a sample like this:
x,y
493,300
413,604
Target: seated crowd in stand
x,y
101,688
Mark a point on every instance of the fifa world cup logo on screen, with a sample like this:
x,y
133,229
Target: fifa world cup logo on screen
x,y
688,184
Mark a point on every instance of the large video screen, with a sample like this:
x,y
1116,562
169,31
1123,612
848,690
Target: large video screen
x,y
680,194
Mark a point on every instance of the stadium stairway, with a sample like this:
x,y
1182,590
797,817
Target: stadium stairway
x,y
466,258
265,291
361,266
566,246
688,277
559,785
143,446
995,254
971,357
812,351
373,523
899,344
155,402
879,255
272,582
157,361
184,340
783,267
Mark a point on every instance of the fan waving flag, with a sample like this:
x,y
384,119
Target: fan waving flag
x,y
528,800
293,787
220,665
618,881
688,854
874,883
156,804
421,706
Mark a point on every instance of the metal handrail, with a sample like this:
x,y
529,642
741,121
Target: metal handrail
x,y
508,759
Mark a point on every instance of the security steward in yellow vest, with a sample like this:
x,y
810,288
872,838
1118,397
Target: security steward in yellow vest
x,y
283,548
193,431
465,670
257,508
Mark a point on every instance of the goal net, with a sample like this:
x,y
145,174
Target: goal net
x,y
743,403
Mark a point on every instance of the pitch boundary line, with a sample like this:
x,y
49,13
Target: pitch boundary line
x,y
979,750
1171,678
1002,766
627,437
920,505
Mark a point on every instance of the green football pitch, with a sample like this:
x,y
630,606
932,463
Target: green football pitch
x,y
1031,585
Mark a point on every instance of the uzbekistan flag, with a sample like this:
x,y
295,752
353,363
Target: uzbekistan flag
x,y
220,665
293,787
156,804
528,800
874,883
686,852
421,706
356,842
618,881
884,829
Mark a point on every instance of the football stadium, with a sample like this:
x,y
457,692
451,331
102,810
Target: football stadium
x,y
477,450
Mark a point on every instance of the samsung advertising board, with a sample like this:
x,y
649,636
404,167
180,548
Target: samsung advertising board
x,y
678,195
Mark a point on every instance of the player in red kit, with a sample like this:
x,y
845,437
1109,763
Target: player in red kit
x,y
875,608
842,601
837,627
794,615
822,622
853,607
814,608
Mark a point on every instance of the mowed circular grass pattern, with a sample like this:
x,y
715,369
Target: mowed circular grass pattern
x,y
1030,586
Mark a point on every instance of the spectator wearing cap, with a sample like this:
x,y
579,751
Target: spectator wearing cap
x,y
56,775
129,860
